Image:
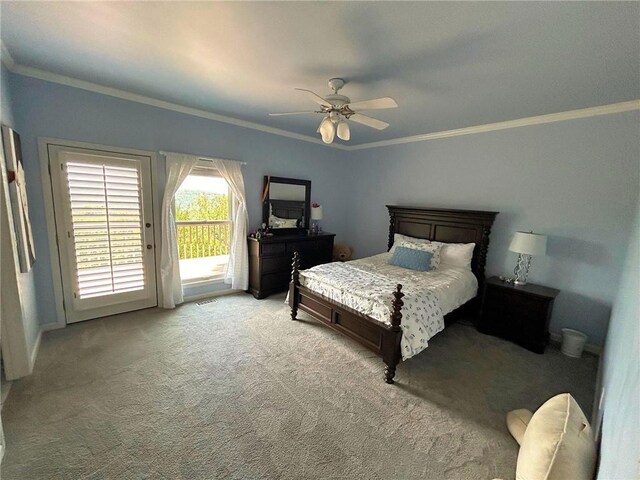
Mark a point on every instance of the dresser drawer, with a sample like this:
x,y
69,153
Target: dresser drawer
x,y
300,247
310,245
276,281
273,248
520,303
511,323
276,264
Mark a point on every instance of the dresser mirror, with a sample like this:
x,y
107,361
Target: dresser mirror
x,y
286,204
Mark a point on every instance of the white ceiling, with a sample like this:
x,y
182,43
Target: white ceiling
x,y
448,65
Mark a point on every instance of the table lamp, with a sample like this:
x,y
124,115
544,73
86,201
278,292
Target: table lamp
x,y
316,214
526,244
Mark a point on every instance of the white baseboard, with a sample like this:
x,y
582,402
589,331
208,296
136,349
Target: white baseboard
x,y
219,293
52,326
589,347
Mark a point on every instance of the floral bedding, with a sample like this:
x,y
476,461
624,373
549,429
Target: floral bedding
x,y
366,285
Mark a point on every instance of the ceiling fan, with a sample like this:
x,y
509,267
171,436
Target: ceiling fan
x,y
338,109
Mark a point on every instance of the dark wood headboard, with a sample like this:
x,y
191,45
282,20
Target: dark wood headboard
x,y
447,226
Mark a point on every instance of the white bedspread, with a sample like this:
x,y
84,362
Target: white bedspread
x,y
366,285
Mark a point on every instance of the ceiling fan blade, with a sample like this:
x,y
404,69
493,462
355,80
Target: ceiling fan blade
x,y
289,113
374,104
368,121
315,97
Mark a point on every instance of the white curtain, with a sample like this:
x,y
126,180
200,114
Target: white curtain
x,y
178,167
238,268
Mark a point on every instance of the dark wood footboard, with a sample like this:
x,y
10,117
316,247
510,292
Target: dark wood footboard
x,y
380,338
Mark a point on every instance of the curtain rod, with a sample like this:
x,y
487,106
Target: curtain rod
x,y
209,159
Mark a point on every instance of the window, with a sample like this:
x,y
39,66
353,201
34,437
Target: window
x,y
203,222
106,227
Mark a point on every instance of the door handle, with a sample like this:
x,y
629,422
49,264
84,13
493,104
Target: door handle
x,y
149,247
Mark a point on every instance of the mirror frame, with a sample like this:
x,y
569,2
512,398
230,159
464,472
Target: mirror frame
x,y
307,202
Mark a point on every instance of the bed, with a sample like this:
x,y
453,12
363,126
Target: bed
x,y
335,294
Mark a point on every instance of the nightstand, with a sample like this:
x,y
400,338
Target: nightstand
x,y
519,313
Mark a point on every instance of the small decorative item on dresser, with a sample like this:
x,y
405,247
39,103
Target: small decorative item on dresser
x,y
526,244
519,313
316,214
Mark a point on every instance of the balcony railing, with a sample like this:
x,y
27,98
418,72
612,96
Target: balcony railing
x,y
197,239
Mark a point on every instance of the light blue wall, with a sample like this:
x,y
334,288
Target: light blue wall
x,y
6,101
576,181
26,281
51,110
620,450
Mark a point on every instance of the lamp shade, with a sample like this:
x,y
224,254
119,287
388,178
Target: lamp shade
x,y
529,243
316,213
327,130
343,130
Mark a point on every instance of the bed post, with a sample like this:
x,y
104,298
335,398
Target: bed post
x,y
293,285
392,229
392,353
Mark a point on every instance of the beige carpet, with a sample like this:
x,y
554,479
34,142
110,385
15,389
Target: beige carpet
x,y
234,389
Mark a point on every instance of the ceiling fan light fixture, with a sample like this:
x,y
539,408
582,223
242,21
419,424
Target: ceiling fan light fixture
x,y
344,133
338,111
327,130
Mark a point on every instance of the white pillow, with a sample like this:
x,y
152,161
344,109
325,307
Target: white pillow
x,y
398,237
456,254
425,247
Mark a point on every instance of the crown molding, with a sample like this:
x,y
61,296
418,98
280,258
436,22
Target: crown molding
x,y
14,67
134,97
521,122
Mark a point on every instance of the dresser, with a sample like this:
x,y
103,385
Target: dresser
x,y
270,259
519,313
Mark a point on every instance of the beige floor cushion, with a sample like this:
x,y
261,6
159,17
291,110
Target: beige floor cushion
x,y
517,422
557,444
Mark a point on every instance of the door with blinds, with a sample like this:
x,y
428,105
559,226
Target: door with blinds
x,y
104,229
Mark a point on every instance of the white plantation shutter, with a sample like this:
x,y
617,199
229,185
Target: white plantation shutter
x,y
103,207
107,228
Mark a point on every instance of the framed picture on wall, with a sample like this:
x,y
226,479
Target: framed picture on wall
x,y
19,206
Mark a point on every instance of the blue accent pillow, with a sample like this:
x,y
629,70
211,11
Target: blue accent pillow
x,y
413,259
